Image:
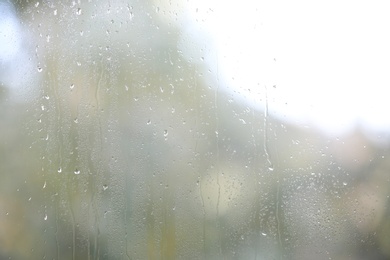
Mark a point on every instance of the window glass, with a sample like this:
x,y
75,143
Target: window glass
x,y
194,130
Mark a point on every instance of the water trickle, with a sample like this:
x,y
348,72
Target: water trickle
x,y
265,139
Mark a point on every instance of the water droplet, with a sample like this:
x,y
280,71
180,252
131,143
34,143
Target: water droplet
x,y
105,187
77,172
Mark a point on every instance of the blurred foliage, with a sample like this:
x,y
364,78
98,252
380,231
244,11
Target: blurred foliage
x,y
125,149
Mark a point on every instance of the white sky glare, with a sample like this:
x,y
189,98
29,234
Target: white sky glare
x,y
329,61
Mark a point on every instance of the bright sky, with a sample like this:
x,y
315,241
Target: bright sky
x,y
9,38
329,61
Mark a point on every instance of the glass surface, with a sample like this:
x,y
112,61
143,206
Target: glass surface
x,y
194,130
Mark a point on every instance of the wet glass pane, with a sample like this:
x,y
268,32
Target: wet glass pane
x,y
194,130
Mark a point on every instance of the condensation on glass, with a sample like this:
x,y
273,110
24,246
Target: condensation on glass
x,y
139,130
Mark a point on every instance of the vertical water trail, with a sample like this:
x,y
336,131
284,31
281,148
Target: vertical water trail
x,y
271,169
257,190
270,165
218,156
277,216
217,144
98,109
59,140
197,163
126,228
73,223
59,129
56,232
97,98
126,209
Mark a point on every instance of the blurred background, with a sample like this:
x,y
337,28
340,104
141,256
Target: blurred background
x,y
172,129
